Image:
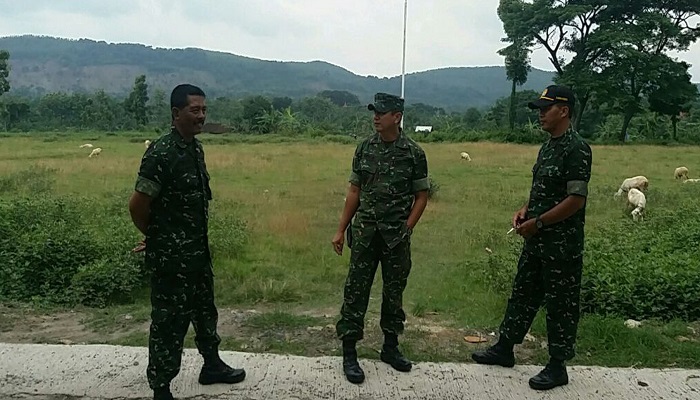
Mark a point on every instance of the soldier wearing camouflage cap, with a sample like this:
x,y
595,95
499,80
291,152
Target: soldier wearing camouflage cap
x,y
551,261
170,206
387,196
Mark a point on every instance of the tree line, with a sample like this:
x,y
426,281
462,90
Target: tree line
x,y
672,114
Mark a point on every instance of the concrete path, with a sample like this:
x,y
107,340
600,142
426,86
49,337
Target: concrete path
x,y
113,372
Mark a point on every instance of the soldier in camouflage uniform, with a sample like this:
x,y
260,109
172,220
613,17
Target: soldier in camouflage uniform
x,y
387,196
551,262
170,207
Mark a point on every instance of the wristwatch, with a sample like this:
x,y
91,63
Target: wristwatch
x,y
538,222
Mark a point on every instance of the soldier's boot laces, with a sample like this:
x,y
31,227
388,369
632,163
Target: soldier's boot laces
x,y
495,355
217,371
553,375
391,355
162,394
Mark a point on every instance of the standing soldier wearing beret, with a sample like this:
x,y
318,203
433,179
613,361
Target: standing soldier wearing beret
x,y
551,262
387,195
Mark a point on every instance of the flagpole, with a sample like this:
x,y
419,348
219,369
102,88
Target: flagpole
x,y
403,63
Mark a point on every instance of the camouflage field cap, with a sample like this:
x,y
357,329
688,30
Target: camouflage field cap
x,y
552,95
385,102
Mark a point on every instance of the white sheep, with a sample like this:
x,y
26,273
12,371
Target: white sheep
x,y
147,143
95,152
637,199
638,182
691,181
88,145
681,172
465,156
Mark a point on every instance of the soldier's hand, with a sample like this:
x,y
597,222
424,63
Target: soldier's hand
x,y
527,229
518,217
338,242
140,247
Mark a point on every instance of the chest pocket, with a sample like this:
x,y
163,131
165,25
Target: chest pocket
x,y
369,173
550,166
187,181
401,172
551,171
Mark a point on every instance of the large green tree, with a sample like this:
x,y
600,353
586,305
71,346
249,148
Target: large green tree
x,y
136,103
4,86
517,61
634,62
604,49
4,72
674,95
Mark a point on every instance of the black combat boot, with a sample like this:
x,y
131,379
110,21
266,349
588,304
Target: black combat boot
x,y
391,354
215,370
500,353
351,367
162,393
553,375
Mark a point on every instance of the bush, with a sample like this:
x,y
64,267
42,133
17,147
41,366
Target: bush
x,y
646,270
71,250
63,250
631,270
43,245
107,281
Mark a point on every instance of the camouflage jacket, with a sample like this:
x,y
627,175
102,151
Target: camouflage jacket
x,y
174,174
563,168
388,175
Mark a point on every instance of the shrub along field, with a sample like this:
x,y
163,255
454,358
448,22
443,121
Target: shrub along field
x,y
65,240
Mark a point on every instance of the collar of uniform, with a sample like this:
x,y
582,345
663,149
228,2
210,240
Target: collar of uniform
x,y
400,141
563,138
178,138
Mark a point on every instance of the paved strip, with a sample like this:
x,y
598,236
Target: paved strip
x,y
52,372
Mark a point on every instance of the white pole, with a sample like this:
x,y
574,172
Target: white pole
x,y
403,64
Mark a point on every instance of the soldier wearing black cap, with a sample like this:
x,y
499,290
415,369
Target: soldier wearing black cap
x,y
387,196
551,261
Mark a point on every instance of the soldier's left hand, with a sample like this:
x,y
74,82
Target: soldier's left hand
x,y
527,229
140,247
338,241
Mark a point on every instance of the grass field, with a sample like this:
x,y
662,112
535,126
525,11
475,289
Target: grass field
x,y
285,290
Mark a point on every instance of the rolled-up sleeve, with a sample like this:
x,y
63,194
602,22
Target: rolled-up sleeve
x,y
420,173
151,173
578,169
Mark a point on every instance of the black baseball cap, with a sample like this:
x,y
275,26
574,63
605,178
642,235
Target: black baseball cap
x,y
554,94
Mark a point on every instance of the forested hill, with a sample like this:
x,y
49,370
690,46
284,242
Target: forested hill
x,y
45,64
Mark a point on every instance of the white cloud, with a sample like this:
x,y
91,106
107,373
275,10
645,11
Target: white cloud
x,y
361,35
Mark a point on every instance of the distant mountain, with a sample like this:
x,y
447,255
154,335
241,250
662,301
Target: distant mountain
x,y
45,64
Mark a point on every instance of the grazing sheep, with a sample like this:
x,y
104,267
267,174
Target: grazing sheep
x,y
637,199
147,143
465,156
95,152
88,145
681,172
630,323
691,181
638,182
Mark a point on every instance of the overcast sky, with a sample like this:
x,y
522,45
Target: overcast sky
x,y
362,36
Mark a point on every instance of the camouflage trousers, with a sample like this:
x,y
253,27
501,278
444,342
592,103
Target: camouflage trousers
x,y
178,300
396,266
556,284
